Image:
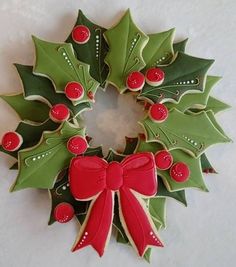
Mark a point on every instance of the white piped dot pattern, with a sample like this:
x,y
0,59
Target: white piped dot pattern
x,y
155,238
193,142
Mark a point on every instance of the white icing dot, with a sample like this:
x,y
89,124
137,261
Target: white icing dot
x,y
192,81
38,157
64,187
34,159
163,58
195,143
188,82
97,36
86,233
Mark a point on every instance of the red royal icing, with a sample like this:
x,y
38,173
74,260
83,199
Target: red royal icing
x,y
74,91
158,112
135,81
77,145
63,212
11,141
163,160
180,172
94,178
81,34
59,113
155,76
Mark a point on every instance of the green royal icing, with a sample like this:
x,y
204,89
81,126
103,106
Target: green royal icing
x,y
58,63
126,43
40,165
159,49
185,132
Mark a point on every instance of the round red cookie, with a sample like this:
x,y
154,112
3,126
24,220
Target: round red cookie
x,y
158,112
64,212
155,76
180,172
163,160
74,91
77,145
81,34
59,113
11,141
135,81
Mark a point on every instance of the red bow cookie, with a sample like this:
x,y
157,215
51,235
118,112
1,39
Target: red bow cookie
x,y
133,178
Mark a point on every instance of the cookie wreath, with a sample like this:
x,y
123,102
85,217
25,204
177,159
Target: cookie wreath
x,y
127,189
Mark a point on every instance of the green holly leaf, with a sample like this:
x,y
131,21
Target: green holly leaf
x,y
157,209
94,51
184,75
114,156
41,89
215,105
27,110
177,195
197,100
94,151
58,62
130,145
126,43
34,170
206,165
180,46
159,49
61,193
147,255
31,134
192,133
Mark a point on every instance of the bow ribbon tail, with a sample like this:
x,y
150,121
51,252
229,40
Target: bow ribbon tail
x,y
96,228
136,223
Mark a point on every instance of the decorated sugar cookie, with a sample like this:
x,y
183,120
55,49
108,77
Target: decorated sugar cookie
x,y
124,190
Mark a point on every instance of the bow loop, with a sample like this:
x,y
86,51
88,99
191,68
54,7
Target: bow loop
x,y
91,179
140,174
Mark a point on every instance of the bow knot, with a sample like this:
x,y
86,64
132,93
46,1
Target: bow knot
x,y
114,176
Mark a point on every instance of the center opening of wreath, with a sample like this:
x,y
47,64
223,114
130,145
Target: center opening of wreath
x,y
113,117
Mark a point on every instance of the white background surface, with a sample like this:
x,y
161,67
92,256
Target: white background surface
x,y
204,234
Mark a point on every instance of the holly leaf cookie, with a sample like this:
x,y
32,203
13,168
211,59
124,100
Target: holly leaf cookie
x,y
185,132
157,209
159,49
60,193
93,51
180,46
31,134
41,89
184,75
197,100
27,110
58,62
50,151
126,43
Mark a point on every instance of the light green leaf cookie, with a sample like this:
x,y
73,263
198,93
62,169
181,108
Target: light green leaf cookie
x,y
157,211
159,49
192,133
58,62
40,165
126,43
176,189
27,110
196,100
94,51
185,74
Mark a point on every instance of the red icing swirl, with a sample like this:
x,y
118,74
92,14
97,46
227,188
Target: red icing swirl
x,y
77,145
180,172
59,113
74,91
81,34
135,81
158,112
64,212
163,160
11,141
